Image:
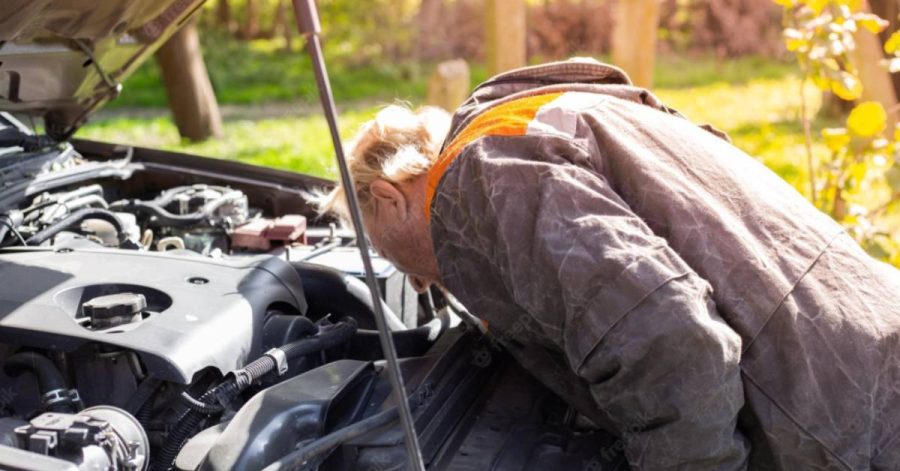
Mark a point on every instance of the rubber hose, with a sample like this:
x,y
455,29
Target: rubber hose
x,y
321,446
142,395
4,230
169,195
200,406
11,220
76,218
328,337
163,215
48,376
334,291
145,414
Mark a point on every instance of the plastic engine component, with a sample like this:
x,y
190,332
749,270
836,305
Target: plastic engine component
x,y
102,437
201,313
259,234
114,309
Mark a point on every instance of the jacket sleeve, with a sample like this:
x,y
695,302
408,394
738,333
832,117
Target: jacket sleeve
x,y
631,317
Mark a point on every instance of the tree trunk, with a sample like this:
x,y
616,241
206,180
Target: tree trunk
x,y
429,22
251,20
190,92
634,39
223,15
288,27
889,10
876,80
278,19
505,35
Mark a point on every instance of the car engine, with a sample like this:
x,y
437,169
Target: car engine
x,y
163,311
127,325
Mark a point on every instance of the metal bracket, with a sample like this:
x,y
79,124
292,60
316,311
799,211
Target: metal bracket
x,y
55,397
278,356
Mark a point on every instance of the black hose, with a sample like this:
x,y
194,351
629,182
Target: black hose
x,y
187,423
142,395
140,405
200,406
48,375
8,223
318,448
5,226
330,290
328,337
76,218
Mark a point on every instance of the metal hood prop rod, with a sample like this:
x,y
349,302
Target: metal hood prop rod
x,y
308,22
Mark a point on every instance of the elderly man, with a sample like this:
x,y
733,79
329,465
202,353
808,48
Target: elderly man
x,y
666,284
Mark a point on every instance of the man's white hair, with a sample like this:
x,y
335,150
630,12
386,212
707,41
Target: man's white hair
x,y
397,145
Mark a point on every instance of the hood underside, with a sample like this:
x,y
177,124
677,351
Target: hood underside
x,y
62,59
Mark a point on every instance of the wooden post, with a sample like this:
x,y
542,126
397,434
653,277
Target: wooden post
x,y
504,35
190,92
449,84
634,39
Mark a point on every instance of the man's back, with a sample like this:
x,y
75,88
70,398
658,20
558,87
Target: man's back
x,y
602,173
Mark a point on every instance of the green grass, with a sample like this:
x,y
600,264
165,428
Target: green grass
x,y
299,143
253,72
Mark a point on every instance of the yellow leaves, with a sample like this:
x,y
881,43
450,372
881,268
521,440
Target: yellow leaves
x,y
871,22
835,138
795,41
867,120
856,173
817,5
849,87
863,161
892,45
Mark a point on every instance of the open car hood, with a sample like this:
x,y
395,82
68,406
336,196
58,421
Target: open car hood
x,y
63,59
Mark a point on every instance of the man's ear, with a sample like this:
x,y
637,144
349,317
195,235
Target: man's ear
x,y
389,198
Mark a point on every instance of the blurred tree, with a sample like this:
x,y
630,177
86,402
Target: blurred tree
x,y
430,25
505,35
191,98
634,39
889,10
250,27
284,23
223,15
877,84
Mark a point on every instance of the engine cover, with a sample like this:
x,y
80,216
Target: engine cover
x,y
200,312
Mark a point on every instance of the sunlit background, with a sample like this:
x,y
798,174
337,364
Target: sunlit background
x,y
722,62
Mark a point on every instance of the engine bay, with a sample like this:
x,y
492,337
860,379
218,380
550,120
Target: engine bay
x,y
162,311
133,312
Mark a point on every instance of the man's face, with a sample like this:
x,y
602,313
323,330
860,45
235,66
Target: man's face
x,y
398,230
